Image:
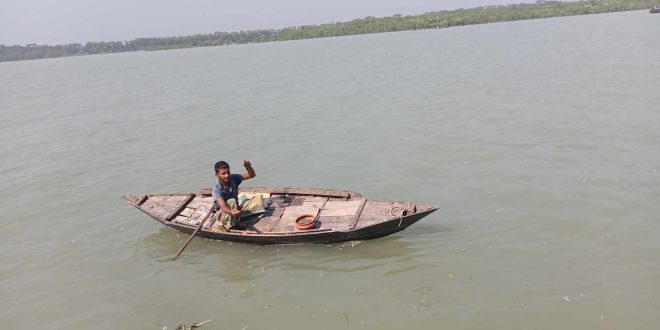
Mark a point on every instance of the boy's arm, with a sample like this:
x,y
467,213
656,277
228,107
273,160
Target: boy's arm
x,y
225,208
250,171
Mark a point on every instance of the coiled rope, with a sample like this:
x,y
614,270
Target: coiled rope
x,y
399,210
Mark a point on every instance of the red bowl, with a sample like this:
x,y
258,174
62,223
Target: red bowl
x,y
306,221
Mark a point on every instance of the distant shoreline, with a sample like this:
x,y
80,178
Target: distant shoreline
x,y
367,25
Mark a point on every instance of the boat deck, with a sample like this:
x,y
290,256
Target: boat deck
x,y
334,213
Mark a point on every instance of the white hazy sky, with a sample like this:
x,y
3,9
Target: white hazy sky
x,y
69,21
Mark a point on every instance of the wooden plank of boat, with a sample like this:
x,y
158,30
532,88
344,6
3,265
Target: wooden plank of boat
x,y
334,208
161,206
293,191
317,192
297,232
357,214
142,200
180,208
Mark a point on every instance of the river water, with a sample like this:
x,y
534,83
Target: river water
x,y
540,140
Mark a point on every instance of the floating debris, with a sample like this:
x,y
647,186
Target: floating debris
x,y
189,327
348,321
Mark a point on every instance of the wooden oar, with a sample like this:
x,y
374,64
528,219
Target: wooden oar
x,y
193,234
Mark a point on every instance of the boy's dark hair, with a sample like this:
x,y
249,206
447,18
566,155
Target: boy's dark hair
x,y
220,165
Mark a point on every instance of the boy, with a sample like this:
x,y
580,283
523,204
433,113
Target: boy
x,y
225,193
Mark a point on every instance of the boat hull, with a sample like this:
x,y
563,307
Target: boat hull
x,y
313,237
342,216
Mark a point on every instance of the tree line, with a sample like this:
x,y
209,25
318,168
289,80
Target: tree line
x,y
431,20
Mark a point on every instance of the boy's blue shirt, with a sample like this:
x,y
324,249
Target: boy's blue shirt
x,y
234,181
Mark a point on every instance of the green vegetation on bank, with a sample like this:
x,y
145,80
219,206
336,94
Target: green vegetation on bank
x,y
432,20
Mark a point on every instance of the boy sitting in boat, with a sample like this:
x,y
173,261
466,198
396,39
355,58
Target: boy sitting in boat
x,y
225,196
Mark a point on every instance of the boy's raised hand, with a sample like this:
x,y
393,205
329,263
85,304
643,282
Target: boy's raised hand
x,y
250,171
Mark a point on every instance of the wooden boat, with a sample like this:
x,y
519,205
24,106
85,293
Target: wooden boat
x,y
340,215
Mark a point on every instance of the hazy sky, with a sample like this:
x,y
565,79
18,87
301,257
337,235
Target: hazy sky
x,y
68,21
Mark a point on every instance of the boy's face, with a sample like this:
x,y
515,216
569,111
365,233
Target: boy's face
x,y
223,175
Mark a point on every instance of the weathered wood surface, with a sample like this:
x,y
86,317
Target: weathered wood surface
x,y
338,218
308,201
185,220
201,203
187,212
180,208
269,220
277,205
162,206
335,208
142,200
298,232
288,220
300,205
339,223
135,199
317,192
376,212
194,211
293,191
356,217
282,212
